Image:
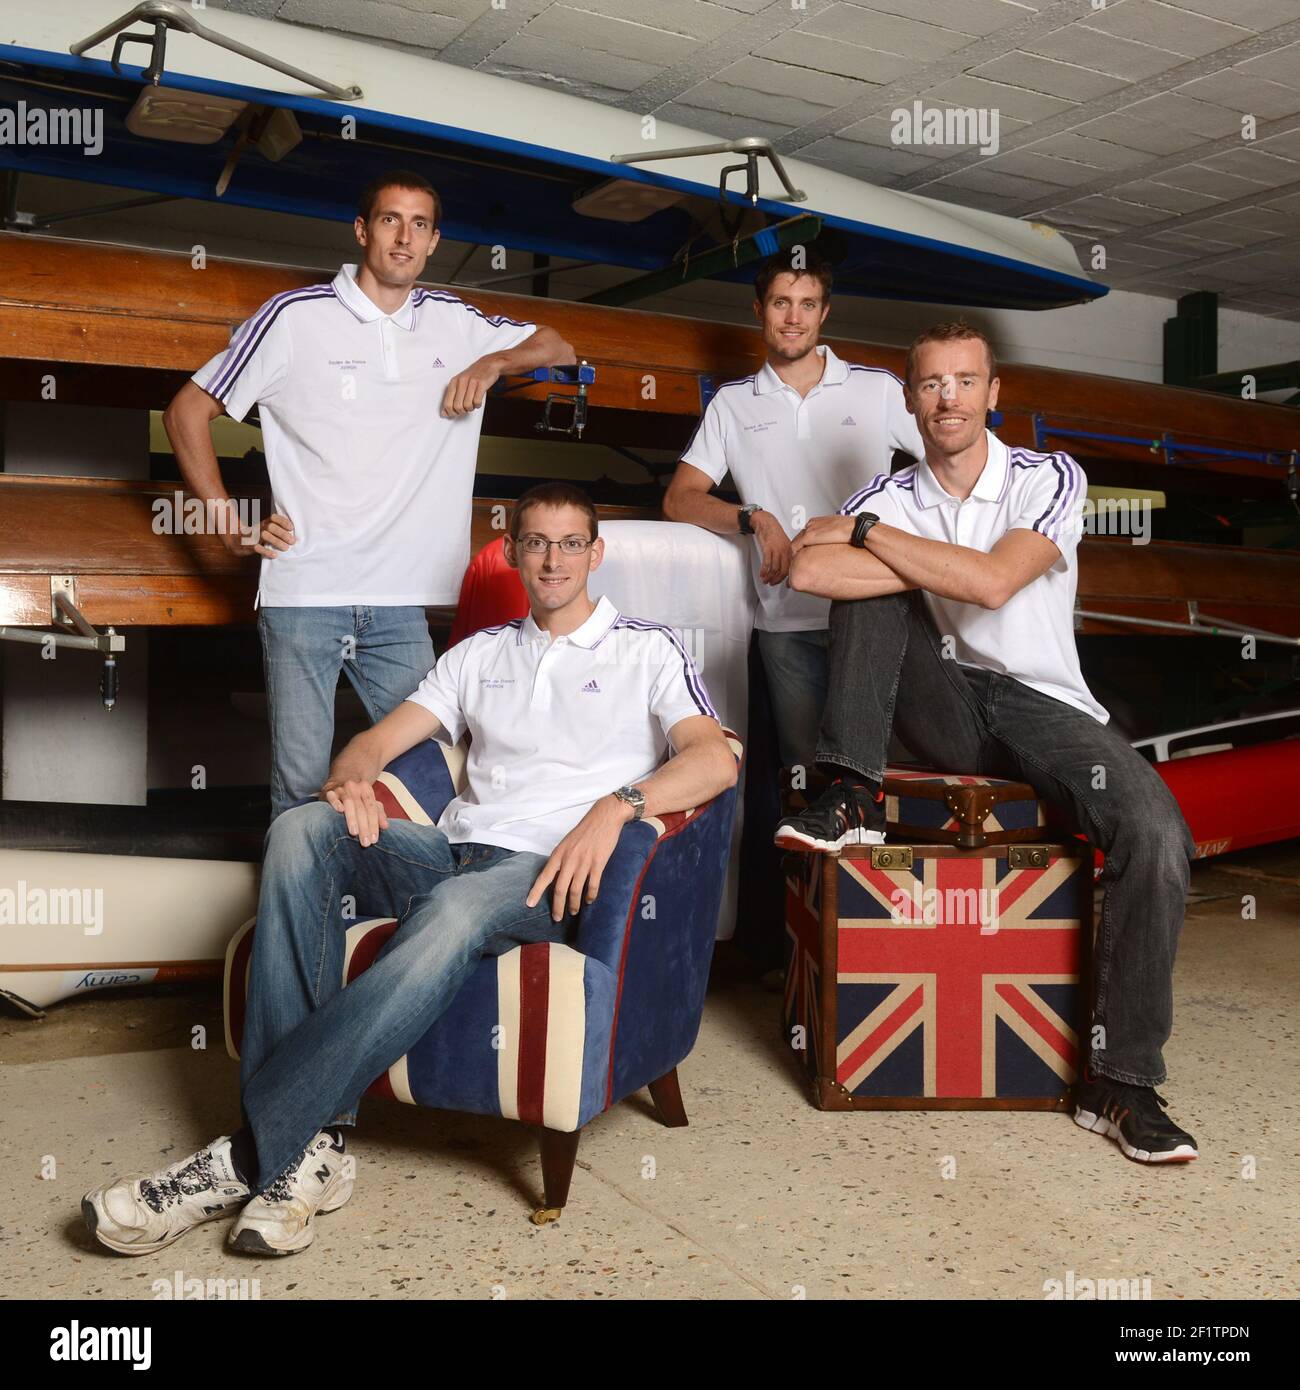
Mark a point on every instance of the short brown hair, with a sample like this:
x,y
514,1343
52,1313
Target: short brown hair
x,y
816,267
397,178
957,331
554,495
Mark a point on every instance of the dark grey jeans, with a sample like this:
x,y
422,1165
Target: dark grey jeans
x,y
887,672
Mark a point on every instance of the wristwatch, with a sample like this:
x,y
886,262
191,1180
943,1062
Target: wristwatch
x,y
746,515
865,521
635,798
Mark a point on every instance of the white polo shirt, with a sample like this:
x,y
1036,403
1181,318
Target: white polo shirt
x,y
1031,637
555,725
378,484
799,456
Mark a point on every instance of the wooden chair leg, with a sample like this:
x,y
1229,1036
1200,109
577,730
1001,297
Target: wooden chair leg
x,y
559,1150
667,1096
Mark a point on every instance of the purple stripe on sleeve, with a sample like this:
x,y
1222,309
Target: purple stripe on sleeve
x,y
905,479
693,682
240,353
496,320
1073,475
1040,521
236,346
884,371
246,333
248,330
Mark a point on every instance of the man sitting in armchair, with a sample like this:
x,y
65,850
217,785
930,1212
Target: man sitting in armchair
x,y
954,622
570,711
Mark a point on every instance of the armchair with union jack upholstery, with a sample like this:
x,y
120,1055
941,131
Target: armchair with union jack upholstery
x,y
554,1034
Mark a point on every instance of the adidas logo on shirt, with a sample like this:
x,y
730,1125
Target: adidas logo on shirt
x,y
591,686
438,362
848,420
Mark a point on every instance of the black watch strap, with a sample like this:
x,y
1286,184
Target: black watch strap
x,y
865,521
746,516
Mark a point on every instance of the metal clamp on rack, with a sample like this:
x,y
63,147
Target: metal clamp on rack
x,y
751,146
164,16
74,632
582,375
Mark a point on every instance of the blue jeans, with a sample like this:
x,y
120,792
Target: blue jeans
x,y
386,653
888,671
795,663
311,1047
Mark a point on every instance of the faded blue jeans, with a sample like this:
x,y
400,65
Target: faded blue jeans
x,y
312,1046
888,671
795,663
386,653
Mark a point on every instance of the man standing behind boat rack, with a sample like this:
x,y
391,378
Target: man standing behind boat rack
x,y
368,391
797,437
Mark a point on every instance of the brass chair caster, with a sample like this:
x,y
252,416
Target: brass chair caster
x,y
544,1214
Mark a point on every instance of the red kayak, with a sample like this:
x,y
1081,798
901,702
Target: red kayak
x,y
1238,797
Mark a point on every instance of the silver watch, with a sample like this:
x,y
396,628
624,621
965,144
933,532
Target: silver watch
x,y
635,798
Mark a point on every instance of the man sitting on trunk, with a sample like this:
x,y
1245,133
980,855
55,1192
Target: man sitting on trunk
x,y
953,620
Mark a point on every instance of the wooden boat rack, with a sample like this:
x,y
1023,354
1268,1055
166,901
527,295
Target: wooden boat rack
x,y
125,327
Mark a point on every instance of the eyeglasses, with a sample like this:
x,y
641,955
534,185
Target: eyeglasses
x,y
539,545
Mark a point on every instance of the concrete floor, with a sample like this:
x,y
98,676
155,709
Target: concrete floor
x,y
763,1196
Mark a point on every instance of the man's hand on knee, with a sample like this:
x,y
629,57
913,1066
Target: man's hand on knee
x,y
578,861
355,801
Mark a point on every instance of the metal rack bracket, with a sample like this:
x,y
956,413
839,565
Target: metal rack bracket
x,y
75,632
164,15
752,146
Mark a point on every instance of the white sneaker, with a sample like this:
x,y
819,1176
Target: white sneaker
x,y
279,1220
143,1212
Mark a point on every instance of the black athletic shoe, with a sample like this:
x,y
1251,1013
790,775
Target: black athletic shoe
x,y
1134,1117
842,815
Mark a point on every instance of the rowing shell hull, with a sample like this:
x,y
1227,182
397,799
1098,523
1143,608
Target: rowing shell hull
x,y
126,920
515,163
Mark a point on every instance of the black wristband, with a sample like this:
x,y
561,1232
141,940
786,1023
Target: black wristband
x,y
863,524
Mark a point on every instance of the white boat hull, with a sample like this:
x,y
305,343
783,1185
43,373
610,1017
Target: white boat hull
x,y
72,923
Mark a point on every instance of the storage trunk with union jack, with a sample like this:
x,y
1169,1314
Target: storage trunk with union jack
x,y
938,977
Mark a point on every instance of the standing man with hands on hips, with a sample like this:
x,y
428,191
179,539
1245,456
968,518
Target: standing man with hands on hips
x,y
369,392
797,437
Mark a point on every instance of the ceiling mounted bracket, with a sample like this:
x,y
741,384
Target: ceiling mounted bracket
x,y
164,15
752,146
